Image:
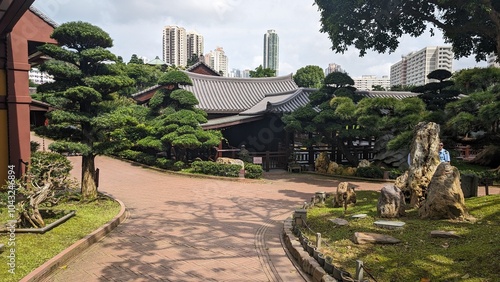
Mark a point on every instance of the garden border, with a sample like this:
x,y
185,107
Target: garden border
x,y
52,265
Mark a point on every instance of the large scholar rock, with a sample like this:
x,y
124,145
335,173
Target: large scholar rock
x,y
391,202
322,162
223,160
445,199
332,167
424,160
345,195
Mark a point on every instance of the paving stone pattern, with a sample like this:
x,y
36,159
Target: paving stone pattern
x,y
195,229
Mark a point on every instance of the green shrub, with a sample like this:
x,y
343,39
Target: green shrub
x,y
370,172
129,155
212,168
138,156
395,173
179,165
164,163
34,146
253,171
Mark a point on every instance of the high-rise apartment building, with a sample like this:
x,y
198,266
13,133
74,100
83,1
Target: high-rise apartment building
x,y
179,45
271,50
367,82
492,61
332,68
38,77
194,44
217,60
415,66
174,45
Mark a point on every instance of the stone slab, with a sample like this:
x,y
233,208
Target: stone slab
x,y
389,224
444,234
361,215
373,238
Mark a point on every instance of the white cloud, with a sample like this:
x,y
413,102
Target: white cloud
x,y
236,25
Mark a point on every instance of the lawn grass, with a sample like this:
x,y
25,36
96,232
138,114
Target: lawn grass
x,y
32,250
472,258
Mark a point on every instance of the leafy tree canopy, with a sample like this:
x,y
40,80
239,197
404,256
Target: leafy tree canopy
x,y
471,26
309,76
262,72
476,79
437,94
90,115
134,59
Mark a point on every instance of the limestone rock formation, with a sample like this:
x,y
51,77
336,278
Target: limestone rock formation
x,y
222,160
445,199
345,195
364,163
391,202
332,167
322,162
424,160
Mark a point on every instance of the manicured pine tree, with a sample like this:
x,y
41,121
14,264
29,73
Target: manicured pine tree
x,y
89,116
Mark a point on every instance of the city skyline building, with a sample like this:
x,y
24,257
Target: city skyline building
x,y
332,67
271,51
415,66
492,61
367,82
195,44
217,60
179,46
174,45
38,77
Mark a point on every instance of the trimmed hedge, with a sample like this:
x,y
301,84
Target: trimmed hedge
x,y
253,171
137,156
370,172
212,168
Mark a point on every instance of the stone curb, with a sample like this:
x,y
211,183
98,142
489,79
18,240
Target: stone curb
x,y
301,258
52,265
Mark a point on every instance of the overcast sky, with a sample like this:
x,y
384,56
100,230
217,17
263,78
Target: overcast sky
x,y
236,25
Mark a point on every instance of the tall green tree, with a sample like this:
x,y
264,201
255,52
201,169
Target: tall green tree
x,y
476,79
89,116
471,26
134,59
478,112
309,76
329,116
262,72
175,122
437,94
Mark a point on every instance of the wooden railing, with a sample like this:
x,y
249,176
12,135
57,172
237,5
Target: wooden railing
x,y
303,156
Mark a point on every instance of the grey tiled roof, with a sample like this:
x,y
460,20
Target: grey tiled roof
x,y
218,94
43,17
387,94
229,120
281,102
227,95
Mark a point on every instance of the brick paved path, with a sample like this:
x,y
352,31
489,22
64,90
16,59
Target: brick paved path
x,y
194,229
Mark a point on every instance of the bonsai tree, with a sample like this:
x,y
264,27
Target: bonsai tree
x,y
47,172
89,115
175,120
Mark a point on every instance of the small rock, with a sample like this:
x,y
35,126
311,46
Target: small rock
x,y
389,224
374,238
340,221
444,234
